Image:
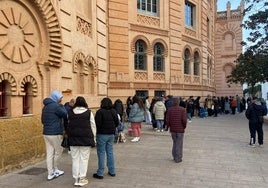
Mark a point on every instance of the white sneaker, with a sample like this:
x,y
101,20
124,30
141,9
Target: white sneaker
x,y
138,139
135,139
51,176
76,183
83,181
58,173
158,130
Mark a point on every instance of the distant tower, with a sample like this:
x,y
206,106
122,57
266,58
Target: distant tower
x,y
228,47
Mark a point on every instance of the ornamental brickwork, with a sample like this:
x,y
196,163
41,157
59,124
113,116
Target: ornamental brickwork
x,y
88,48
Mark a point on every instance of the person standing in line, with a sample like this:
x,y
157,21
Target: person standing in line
x,y
106,122
136,117
216,105
189,109
148,118
119,108
254,114
129,105
197,106
233,104
168,104
53,114
159,112
67,106
81,137
238,99
176,120
209,105
154,100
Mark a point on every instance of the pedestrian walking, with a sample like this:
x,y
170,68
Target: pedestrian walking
x,y
53,115
106,122
254,114
81,137
176,120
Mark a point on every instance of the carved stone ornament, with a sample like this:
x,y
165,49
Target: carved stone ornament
x,y
17,37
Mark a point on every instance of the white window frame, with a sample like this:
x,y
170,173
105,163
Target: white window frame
x,y
150,7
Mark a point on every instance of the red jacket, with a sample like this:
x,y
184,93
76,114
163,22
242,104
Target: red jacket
x,y
176,119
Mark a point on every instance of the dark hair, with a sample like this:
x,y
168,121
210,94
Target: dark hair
x,y
137,100
254,98
176,101
81,102
118,101
106,103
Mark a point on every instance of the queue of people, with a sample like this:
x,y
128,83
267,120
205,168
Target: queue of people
x,y
85,131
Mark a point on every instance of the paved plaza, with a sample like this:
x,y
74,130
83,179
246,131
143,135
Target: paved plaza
x,y
216,155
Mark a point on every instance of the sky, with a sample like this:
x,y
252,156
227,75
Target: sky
x,y
222,4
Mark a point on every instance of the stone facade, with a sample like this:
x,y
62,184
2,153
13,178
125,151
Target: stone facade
x,y
88,48
228,48
128,25
47,45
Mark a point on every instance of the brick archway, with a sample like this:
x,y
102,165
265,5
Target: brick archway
x,y
53,28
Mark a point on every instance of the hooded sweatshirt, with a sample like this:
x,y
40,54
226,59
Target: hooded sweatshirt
x,y
254,111
53,114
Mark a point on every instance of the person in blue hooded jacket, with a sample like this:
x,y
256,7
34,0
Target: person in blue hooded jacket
x,y
52,117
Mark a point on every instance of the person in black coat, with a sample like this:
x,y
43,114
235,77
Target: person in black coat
x,y
81,137
106,122
129,105
119,108
254,114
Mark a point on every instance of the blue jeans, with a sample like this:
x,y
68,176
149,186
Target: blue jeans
x,y
160,124
189,116
105,146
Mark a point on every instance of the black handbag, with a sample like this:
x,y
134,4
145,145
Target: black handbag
x,y
65,142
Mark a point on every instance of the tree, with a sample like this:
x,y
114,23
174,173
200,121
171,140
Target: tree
x,y
250,68
256,20
255,90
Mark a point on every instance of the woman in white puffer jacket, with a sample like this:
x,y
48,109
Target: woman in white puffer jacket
x,y
159,112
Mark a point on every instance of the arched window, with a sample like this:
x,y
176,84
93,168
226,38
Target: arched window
x,y
4,85
196,63
140,58
209,68
80,77
187,61
27,98
159,57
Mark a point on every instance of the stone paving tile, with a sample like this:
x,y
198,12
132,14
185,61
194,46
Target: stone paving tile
x,y
216,155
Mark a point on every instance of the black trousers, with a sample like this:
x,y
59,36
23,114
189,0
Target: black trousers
x,y
253,128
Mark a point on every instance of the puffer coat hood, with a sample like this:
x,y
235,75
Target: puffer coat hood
x,y
55,96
